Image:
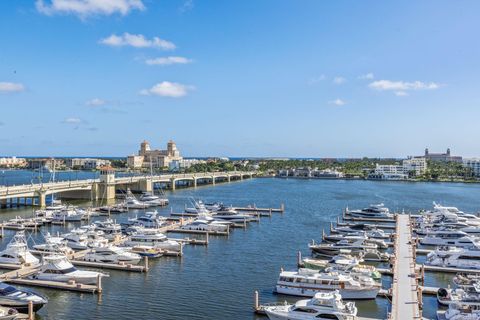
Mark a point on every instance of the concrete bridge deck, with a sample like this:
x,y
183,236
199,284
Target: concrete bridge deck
x,y
105,186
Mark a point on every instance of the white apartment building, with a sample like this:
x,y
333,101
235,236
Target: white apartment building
x,y
474,164
418,166
7,162
86,163
176,165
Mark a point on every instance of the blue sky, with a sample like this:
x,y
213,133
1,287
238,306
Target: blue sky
x,y
239,78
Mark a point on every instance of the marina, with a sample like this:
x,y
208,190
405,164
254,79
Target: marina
x,y
199,239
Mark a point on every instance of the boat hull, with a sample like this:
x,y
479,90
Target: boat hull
x,y
348,294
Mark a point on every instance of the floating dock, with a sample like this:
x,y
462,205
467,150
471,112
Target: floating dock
x,y
405,289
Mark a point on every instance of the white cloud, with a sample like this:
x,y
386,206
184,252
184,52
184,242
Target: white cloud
x,y
164,61
402,86
187,6
85,8
401,93
367,76
137,41
7,87
72,120
337,102
168,89
314,80
96,102
339,80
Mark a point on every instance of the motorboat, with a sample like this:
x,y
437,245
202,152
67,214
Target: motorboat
x,y
113,209
449,238
19,299
132,203
373,211
206,223
323,305
381,244
457,311
333,249
354,228
154,239
17,252
150,219
58,268
111,254
54,244
466,280
446,296
68,215
454,257
342,263
199,207
307,282
153,200
8,313
76,239
111,230
146,251
230,214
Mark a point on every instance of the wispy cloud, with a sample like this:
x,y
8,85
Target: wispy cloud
x,y
168,89
400,88
366,76
337,102
339,80
316,79
72,120
9,87
187,6
95,102
165,61
86,8
137,41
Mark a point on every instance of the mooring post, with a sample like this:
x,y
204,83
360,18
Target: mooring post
x,y
245,223
255,301
31,316
299,258
282,207
206,238
99,283
146,263
270,212
323,234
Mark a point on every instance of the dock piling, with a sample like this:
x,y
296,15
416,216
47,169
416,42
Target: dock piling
x,y
31,316
146,263
299,258
256,304
99,284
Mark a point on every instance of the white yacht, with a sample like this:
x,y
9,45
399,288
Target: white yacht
x,y
150,219
455,257
206,223
333,249
111,254
54,244
155,240
17,252
76,239
459,312
152,199
56,267
381,244
449,238
230,214
343,263
324,305
19,299
199,207
68,214
446,296
373,211
307,283
110,228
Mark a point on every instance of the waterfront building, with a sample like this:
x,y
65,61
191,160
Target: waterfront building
x,y
445,157
44,163
409,167
177,165
310,173
147,157
473,164
86,163
13,162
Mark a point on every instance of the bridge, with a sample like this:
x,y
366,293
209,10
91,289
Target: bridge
x,y
104,188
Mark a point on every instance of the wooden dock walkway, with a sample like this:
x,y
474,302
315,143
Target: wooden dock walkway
x,y
405,298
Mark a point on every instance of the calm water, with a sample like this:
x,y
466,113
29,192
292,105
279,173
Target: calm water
x,y
217,282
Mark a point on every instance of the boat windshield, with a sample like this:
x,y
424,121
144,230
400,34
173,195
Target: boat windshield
x,y
5,291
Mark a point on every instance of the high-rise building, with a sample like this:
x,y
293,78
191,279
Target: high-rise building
x,y
446,157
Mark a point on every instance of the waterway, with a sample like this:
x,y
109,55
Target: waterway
x,y
218,281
